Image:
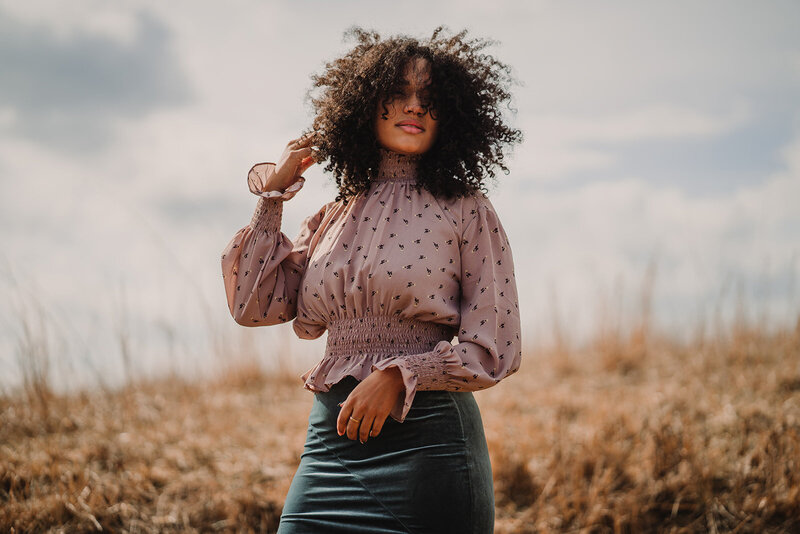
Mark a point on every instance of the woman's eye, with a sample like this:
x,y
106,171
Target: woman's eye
x,y
425,99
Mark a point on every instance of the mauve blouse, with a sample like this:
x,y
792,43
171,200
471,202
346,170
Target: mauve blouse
x,y
393,276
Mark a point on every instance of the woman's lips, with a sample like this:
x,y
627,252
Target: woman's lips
x,y
410,128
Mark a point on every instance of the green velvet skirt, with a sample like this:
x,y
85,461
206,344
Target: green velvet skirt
x,y
429,474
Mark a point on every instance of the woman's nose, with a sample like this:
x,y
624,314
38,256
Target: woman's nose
x,y
413,105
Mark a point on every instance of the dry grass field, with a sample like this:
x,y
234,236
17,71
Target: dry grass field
x,y
630,434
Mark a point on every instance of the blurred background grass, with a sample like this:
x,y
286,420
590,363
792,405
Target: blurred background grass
x,y
632,431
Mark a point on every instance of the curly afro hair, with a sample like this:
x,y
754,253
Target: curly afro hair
x,y
468,89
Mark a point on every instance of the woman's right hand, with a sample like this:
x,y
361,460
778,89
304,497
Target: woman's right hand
x,y
296,158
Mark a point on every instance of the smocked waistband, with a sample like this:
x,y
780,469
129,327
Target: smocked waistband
x,y
384,336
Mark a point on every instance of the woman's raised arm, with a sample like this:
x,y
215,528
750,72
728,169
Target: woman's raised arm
x,y
261,266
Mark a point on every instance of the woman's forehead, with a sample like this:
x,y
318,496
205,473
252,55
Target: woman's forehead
x,y
417,72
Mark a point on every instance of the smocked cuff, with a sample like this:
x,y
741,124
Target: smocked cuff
x,y
424,371
269,210
257,179
268,215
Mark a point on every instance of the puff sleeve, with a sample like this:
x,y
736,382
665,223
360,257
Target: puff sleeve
x,y
489,343
261,266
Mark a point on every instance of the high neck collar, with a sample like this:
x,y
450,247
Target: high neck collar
x,y
396,166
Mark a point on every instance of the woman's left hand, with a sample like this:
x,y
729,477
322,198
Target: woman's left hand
x,y
370,401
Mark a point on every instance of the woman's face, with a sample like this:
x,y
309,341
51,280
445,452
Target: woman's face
x,y
406,124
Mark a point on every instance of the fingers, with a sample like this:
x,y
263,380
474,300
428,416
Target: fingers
x,y
302,141
299,159
363,413
307,139
358,426
365,428
347,422
355,422
343,419
352,427
301,153
377,426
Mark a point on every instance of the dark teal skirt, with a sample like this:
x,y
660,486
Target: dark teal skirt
x,y
429,474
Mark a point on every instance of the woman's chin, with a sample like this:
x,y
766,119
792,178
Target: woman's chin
x,y
409,149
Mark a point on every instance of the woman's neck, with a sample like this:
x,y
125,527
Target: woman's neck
x,y
397,166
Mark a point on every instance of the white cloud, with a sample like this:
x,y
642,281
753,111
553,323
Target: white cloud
x,y
556,144
580,242
656,121
8,116
66,20
111,20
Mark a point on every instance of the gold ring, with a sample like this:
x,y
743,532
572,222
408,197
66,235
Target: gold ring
x,y
356,420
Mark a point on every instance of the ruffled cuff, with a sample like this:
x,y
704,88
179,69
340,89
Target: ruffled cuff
x,y
269,210
424,371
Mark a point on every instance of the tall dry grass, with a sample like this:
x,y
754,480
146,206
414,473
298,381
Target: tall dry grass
x,y
698,438
633,432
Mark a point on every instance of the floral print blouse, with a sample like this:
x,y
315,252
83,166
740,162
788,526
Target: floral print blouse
x,y
394,276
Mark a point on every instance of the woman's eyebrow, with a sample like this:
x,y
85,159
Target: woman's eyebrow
x,y
423,88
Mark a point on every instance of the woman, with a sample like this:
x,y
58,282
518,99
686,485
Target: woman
x,y
410,254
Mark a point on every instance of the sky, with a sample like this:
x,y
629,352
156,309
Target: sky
x,y
661,157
